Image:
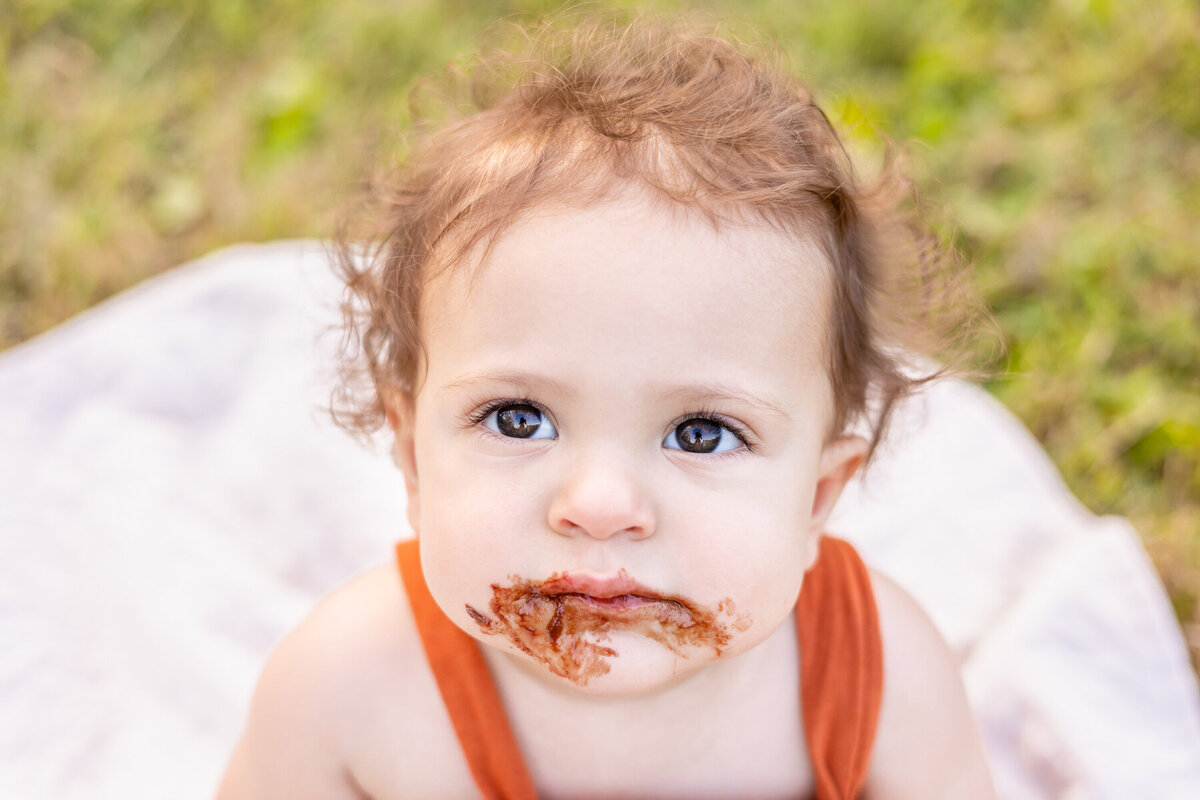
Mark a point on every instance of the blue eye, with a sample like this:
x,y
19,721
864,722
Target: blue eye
x,y
702,435
520,421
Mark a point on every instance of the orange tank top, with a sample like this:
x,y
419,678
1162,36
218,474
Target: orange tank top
x,y
841,678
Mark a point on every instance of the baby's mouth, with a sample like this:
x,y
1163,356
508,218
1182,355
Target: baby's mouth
x,y
611,610
562,622
617,596
620,602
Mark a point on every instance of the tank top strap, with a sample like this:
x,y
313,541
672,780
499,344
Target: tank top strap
x,y
841,669
468,690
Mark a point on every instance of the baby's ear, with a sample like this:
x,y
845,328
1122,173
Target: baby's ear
x,y
401,417
840,459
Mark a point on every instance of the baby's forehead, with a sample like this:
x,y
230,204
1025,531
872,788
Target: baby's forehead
x,y
644,263
744,235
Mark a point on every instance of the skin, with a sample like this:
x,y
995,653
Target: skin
x,y
618,322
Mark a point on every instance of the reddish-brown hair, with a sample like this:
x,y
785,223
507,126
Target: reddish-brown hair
x,y
570,116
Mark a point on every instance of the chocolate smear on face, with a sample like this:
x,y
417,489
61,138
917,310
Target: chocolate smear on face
x,y
482,619
565,631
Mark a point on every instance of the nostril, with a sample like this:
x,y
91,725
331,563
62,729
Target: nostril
x,y
598,530
565,526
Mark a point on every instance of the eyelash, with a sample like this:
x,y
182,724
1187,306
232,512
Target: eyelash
x,y
476,417
482,412
740,431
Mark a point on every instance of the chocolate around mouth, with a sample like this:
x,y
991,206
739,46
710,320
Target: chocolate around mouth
x,y
565,630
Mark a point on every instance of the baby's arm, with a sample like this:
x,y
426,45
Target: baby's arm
x,y
345,698
290,747
928,745
348,708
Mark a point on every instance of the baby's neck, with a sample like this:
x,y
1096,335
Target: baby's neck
x,y
743,707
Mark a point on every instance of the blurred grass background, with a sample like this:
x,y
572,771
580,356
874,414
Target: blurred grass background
x,y
1061,137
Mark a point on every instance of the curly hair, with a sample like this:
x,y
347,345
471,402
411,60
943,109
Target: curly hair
x,y
571,116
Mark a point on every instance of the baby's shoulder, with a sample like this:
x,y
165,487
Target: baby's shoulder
x,y
927,743
359,640
363,630
349,693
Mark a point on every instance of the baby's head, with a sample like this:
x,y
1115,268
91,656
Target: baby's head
x,y
622,319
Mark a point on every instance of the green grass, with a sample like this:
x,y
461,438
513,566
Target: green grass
x,y
1062,139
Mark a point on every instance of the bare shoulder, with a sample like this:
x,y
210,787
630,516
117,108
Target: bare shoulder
x,y
346,706
928,744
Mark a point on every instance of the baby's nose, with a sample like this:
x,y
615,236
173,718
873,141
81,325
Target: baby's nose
x,y
600,501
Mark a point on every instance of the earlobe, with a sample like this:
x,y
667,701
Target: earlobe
x,y
840,459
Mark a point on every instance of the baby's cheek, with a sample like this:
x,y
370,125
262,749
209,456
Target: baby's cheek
x,y
458,502
760,570
471,537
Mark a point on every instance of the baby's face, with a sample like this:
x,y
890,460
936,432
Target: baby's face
x,y
617,462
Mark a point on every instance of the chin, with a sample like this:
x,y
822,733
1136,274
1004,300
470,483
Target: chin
x,y
626,664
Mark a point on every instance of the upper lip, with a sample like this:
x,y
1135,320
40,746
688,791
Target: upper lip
x,y
600,587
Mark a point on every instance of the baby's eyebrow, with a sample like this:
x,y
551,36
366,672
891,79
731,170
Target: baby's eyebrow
x,y
723,393
699,394
526,381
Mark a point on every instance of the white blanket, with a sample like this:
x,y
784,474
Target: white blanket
x,y
173,498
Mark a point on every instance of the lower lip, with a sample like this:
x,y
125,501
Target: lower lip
x,y
620,602
631,607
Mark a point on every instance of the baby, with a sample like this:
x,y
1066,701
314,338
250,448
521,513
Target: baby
x,y
634,324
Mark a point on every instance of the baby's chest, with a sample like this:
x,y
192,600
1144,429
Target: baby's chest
x,y
753,750
741,736
648,768
759,754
